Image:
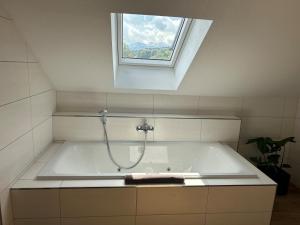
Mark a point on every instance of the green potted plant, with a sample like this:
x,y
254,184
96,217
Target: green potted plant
x,y
271,160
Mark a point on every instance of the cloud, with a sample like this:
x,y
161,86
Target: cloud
x,y
154,30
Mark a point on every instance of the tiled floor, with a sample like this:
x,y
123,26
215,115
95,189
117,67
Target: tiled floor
x,y
287,209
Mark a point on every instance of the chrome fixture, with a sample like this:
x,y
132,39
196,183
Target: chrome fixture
x,y
145,127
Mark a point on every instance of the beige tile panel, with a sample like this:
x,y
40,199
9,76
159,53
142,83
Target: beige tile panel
x,y
171,200
39,82
219,106
68,101
175,104
116,220
14,158
263,107
261,126
77,129
125,129
195,219
38,203
220,130
130,103
15,120
54,221
42,106
14,83
12,46
177,129
98,202
240,199
239,219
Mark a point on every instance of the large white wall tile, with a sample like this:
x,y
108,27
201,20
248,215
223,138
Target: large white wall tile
x,y
94,202
257,127
42,107
174,104
220,130
39,82
14,158
130,103
263,107
219,105
38,203
14,83
77,128
13,48
177,129
125,129
42,136
30,56
15,121
80,101
4,13
171,200
290,107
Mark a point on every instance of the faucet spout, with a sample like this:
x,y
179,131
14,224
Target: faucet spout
x,y
145,127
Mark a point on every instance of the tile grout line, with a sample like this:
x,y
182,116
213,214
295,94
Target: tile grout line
x,y
27,97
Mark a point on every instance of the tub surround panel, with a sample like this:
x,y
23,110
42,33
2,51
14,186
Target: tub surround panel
x,y
171,200
239,218
161,205
98,202
116,220
54,221
242,199
36,203
193,219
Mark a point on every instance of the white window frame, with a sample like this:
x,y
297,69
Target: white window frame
x,y
179,40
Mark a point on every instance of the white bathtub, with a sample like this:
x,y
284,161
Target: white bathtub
x,y
90,160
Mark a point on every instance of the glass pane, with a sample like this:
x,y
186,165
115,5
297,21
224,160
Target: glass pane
x,y
150,37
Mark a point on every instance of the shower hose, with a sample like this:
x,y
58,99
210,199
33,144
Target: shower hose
x,y
111,155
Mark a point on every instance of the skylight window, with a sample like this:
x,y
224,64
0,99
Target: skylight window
x,y
150,40
154,52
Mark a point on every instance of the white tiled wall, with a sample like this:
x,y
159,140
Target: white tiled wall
x,y
261,116
27,101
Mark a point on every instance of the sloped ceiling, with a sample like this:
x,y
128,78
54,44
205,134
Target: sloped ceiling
x,y
253,47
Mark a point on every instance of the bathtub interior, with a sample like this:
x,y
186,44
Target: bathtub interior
x,y
90,160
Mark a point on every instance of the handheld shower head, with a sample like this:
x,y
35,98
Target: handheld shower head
x,y
104,116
